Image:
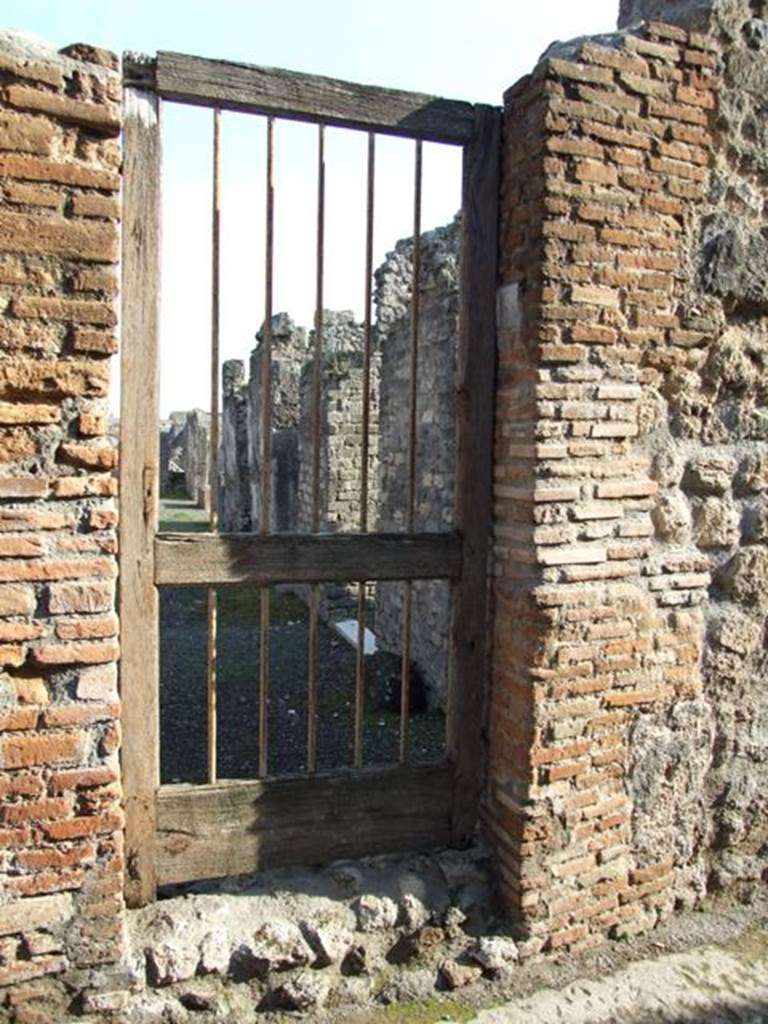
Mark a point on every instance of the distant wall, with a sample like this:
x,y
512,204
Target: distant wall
x,y
438,330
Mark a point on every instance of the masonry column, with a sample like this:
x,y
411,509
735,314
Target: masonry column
x,y
60,815
597,621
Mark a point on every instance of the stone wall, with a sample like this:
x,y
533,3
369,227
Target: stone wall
x,y
185,455
341,416
709,443
235,514
625,720
341,431
288,355
438,330
60,813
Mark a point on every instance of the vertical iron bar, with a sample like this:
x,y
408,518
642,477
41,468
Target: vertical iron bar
x,y
314,602
266,451
405,675
360,664
213,479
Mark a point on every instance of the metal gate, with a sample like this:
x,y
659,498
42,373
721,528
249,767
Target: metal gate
x,y
177,833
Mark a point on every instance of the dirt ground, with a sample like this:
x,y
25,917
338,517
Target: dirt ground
x,y
708,966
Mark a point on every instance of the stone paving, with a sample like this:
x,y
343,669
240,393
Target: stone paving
x,y
710,984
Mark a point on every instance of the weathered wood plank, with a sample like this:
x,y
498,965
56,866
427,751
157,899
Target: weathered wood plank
x,y
238,827
204,558
249,88
474,425
139,415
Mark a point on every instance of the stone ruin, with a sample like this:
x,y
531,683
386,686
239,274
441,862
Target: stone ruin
x,y
185,456
341,405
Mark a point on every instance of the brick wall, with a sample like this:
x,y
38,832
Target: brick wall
x,y
60,816
606,157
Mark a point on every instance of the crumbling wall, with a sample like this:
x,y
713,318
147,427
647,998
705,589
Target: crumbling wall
x,y
626,717
341,428
438,331
60,799
185,455
708,436
288,355
234,467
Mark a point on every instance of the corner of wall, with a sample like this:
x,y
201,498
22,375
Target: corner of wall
x,y
600,738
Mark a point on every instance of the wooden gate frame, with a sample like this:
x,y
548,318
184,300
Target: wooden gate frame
x,y
180,832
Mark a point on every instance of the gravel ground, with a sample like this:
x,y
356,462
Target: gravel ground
x,y
183,686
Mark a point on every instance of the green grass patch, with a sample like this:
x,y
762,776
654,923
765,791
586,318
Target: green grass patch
x,y
430,1012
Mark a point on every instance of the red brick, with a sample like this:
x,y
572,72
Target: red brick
x,y
97,279
24,970
61,378
593,171
16,445
97,342
28,195
18,718
55,236
13,837
102,518
79,714
17,599
76,629
25,134
82,778
36,337
110,741
71,310
27,69
36,810
38,571
12,655
96,116
31,690
95,596
55,748
96,206
700,59
84,487
46,882
55,857
92,424
32,168
89,456
676,112
90,825
605,56
20,546
15,412
21,784
76,653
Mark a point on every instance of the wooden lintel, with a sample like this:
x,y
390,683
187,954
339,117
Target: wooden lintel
x,y
210,559
249,88
237,827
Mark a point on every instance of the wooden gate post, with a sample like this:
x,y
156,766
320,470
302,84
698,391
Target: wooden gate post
x,y
138,487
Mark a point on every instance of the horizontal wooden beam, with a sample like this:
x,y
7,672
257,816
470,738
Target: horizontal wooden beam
x,y
253,89
238,827
208,559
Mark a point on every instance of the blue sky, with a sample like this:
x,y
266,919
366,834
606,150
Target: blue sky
x,y
471,51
